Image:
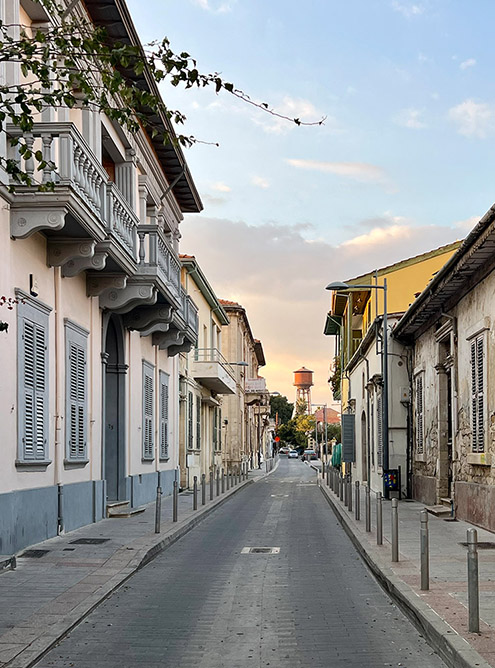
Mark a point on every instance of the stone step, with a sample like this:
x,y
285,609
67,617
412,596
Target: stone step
x,y
116,505
438,511
124,511
446,502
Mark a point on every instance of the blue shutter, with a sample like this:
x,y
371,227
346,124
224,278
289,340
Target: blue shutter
x,y
163,415
76,392
148,413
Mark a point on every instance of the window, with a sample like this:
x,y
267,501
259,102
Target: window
x,y
76,393
419,407
478,393
148,413
198,422
215,429
190,410
219,428
379,429
32,380
163,415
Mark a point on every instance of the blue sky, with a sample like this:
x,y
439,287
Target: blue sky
x,y
404,162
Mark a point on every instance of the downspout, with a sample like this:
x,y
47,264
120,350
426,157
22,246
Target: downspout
x,y
59,366
368,457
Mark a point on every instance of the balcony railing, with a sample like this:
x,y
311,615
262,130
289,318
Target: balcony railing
x,y
156,254
255,385
210,368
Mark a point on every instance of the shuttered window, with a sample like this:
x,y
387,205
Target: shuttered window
x,y
478,394
76,402
419,413
215,429
198,423
163,415
219,428
190,412
32,381
148,412
379,430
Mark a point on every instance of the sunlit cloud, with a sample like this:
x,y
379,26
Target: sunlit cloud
x,y
410,118
470,62
408,9
215,7
467,224
260,182
473,119
221,187
358,171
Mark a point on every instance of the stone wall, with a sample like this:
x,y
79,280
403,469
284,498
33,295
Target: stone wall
x,y
424,489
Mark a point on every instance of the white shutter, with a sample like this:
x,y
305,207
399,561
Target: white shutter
x,y
163,415
148,422
419,415
478,394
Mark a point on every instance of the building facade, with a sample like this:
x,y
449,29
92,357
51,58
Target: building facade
x,y
90,383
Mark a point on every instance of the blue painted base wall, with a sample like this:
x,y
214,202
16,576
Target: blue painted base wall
x,y
143,487
82,504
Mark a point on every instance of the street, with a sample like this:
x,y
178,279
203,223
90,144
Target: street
x,y
205,602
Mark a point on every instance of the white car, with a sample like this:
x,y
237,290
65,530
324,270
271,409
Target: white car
x,y
292,454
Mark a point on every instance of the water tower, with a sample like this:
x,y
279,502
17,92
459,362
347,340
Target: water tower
x,y
303,381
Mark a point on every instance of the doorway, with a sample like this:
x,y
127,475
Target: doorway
x,y
114,374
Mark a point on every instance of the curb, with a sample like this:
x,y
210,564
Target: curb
x,y
452,647
151,548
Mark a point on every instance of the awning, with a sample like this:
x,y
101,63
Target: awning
x,y
333,324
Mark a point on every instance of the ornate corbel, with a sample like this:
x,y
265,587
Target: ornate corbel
x,y
183,348
97,284
25,222
173,337
95,263
60,251
142,319
134,294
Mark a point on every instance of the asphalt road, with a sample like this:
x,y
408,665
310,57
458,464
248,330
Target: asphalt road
x,y
204,603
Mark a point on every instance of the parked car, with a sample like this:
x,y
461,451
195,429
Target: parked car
x,y
309,453
293,454
283,451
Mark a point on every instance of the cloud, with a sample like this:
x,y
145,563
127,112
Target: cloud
x,y
260,182
473,119
357,171
291,107
408,9
221,187
410,118
279,277
215,7
218,201
470,62
467,224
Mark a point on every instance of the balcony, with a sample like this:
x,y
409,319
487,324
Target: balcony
x,y
212,370
255,391
158,261
83,203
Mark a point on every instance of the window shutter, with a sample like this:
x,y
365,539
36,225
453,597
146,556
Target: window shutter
x,y
190,408
76,401
478,394
198,422
163,415
215,429
148,426
379,430
219,428
419,415
348,437
35,399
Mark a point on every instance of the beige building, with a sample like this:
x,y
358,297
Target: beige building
x,y
245,414
205,379
90,369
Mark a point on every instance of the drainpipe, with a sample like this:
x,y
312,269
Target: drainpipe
x,y
59,366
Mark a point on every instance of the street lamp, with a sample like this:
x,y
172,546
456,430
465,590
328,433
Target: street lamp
x,y
345,287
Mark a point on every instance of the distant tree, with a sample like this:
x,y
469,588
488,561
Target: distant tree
x,y
335,379
279,405
301,407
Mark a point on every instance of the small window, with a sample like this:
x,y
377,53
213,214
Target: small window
x,y
148,412
76,399
164,378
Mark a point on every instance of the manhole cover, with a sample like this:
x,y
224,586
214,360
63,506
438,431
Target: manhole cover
x,y
482,545
89,541
34,554
260,550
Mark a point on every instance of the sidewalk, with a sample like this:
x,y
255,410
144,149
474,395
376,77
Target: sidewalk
x,y
440,613
47,595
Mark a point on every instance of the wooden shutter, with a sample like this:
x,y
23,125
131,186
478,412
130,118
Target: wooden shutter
x,y
163,415
419,414
478,394
379,430
148,426
198,422
190,409
215,429
219,428
348,437
34,392
76,400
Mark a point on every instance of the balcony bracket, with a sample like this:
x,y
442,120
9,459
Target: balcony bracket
x,y
25,222
97,284
61,251
167,339
75,267
150,319
184,348
134,294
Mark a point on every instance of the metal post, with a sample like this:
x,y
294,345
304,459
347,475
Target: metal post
x,y
195,493
367,508
379,519
473,589
328,475
227,478
424,552
395,530
158,508
218,482
349,494
357,505
239,474
203,489
175,502
223,481
211,485
341,487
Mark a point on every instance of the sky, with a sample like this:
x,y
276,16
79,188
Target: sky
x,y
404,162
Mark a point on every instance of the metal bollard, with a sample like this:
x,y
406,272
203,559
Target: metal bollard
x,y
227,478
367,508
239,474
424,551
158,508
211,485
223,481
328,475
349,494
395,530
341,487
175,509
473,586
357,505
195,493
379,519
218,482
203,489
